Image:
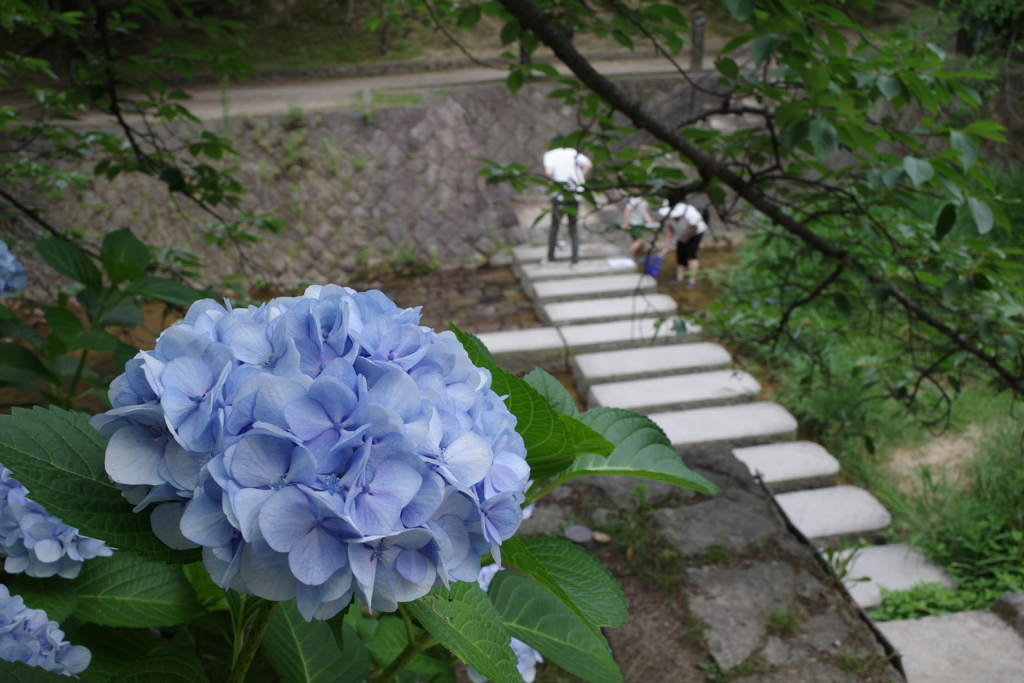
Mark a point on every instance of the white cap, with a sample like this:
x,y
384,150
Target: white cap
x,y
677,211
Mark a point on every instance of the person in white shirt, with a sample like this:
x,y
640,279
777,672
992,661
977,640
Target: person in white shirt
x,y
636,217
687,222
567,166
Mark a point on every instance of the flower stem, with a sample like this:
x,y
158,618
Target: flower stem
x,y
534,496
74,382
252,643
424,641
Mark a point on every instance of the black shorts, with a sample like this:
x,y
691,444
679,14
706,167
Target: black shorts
x,y
687,251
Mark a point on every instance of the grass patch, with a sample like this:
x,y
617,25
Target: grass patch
x,y
647,555
783,622
387,98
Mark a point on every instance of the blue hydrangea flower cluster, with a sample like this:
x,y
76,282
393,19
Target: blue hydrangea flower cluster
x,y
12,273
26,635
318,446
36,542
527,658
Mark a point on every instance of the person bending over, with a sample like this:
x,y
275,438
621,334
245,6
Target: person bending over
x,y
686,224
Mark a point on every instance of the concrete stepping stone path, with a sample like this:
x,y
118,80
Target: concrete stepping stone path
x,y
746,424
624,284
896,566
560,270
647,361
676,392
964,647
791,466
594,250
620,334
837,514
606,310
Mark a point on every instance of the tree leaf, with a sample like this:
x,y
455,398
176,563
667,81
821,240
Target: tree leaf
x,y
124,256
96,340
161,669
515,553
890,87
124,314
70,261
55,595
987,129
548,444
919,170
963,143
114,649
470,628
824,138
19,672
64,324
534,616
741,10
306,652
982,215
764,47
945,221
588,582
641,450
164,290
553,391
59,459
126,590
515,80
18,364
727,67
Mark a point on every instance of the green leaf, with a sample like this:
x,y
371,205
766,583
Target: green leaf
x,y
64,324
515,80
13,326
164,290
548,444
584,440
535,617
471,629
209,594
987,129
982,215
124,314
19,672
114,648
824,138
126,590
306,652
468,17
161,669
124,256
741,10
641,450
553,391
890,87
70,261
588,582
54,595
945,222
843,304
59,459
764,47
18,364
390,639
962,143
515,553
727,67
97,340
920,171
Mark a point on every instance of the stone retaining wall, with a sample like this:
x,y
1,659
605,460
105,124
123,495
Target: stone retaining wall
x,y
360,193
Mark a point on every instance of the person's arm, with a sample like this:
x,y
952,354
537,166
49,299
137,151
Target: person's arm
x,y
549,173
586,167
647,216
670,235
625,215
691,230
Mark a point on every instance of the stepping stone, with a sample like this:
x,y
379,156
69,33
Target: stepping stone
x,y
677,392
601,310
621,334
528,254
625,284
558,270
964,647
896,566
791,466
648,361
519,351
836,514
747,424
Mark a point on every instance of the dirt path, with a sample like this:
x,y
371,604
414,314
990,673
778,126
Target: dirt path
x,y
271,98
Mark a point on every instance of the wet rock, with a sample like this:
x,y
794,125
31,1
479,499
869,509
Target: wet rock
x,y
736,604
734,519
